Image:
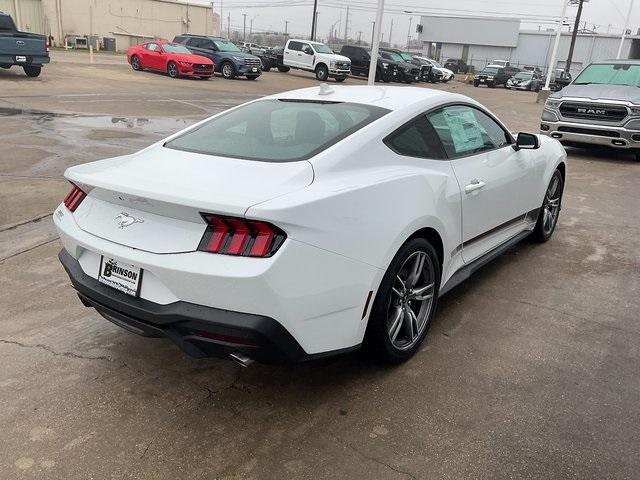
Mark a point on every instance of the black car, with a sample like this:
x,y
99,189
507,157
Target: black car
x,y
228,58
457,65
559,80
424,66
272,58
407,72
492,76
386,70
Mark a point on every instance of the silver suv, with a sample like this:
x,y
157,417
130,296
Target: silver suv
x,y
600,107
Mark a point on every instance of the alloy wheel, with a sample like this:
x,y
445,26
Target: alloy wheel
x,y
135,63
411,300
173,70
551,205
227,70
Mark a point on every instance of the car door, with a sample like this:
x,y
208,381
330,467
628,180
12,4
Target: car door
x,y
498,184
292,54
150,56
307,56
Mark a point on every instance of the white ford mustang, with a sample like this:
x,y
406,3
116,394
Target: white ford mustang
x,y
306,223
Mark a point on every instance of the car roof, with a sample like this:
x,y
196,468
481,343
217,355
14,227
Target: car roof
x,y
619,61
389,97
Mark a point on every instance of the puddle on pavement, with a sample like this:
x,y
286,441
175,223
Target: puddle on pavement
x,y
158,125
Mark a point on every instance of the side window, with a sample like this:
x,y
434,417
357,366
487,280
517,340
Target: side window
x,y
152,47
347,50
306,48
416,139
295,46
464,130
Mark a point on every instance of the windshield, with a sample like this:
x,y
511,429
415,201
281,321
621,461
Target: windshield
x,y
610,74
175,48
490,70
277,130
523,76
321,48
435,64
226,46
406,56
394,56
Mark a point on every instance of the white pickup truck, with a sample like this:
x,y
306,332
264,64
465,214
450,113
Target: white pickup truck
x,y
316,57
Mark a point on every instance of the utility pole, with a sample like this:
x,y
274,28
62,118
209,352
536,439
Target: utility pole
x,y
390,32
409,32
346,25
286,27
251,25
624,32
315,30
373,31
554,55
313,20
574,34
229,25
359,38
244,27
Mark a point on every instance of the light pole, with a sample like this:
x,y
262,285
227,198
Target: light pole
x,y
554,54
244,27
375,44
624,32
251,25
409,32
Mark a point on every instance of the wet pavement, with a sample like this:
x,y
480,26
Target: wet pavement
x,y
530,370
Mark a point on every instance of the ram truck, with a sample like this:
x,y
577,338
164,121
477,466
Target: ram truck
x,y
27,50
600,107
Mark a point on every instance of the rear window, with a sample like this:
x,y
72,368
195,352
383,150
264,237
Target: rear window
x,y
277,130
6,23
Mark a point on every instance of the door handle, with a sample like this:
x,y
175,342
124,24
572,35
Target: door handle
x,y
474,185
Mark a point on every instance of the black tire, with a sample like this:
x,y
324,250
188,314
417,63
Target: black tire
x,y
32,70
544,226
475,84
340,79
135,63
266,68
322,72
252,77
378,337
491,85
637,155
172,70
283,69
228,70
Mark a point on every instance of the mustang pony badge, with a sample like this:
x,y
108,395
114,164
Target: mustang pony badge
x,y
124,220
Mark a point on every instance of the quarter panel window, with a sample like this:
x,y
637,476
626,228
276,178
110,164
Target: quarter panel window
x,y
416,139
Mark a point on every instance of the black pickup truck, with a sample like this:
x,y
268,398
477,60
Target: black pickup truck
x,y
27,50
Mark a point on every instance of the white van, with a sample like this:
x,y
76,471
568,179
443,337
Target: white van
x,y
316,57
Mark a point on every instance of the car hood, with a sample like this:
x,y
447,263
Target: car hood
x,y
185,57
334,56
240,55
601,92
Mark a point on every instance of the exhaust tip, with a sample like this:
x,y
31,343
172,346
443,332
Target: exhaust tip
x,y
241,359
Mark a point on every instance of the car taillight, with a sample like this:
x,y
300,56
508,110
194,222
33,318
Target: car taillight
x,y
47,46
74,198
238,236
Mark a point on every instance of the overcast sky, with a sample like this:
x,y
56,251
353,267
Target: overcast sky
x,y
606,15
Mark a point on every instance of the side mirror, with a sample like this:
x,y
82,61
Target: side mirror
x,y
526,141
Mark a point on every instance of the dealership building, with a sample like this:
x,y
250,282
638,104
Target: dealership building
x,y
479,40
114,24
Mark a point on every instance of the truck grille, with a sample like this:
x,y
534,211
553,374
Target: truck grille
x,y
343,65
594,111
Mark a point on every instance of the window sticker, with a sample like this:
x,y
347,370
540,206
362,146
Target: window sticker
x,y
466,133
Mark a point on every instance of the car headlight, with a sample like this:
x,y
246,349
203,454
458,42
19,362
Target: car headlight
x,y
526,83
239,59
332,64
552,104
185,64
549,116
385,65
635,111
490,77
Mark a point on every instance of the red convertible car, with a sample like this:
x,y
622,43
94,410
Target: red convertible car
x,y
173,58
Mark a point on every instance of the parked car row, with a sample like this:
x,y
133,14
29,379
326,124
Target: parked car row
x,y
499,72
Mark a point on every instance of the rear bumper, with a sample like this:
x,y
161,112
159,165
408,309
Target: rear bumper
x,y
610,136
198,330
31,60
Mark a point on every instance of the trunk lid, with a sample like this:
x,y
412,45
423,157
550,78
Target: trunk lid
x,y
152,200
